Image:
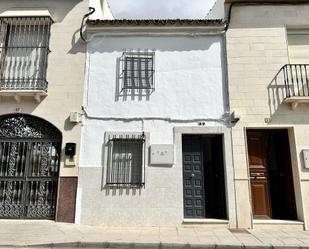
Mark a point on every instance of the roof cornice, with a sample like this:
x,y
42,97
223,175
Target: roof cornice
x,y
156,22
268,1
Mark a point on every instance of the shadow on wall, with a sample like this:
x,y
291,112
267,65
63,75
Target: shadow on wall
x,y
78,45
124,94
189,47
68,125
276,93
58,8
28,105
106,45
119,191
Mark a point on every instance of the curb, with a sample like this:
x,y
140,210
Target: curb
x,y
119,245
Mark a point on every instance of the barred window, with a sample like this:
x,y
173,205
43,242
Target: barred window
x,y
137,70
126,162
24,47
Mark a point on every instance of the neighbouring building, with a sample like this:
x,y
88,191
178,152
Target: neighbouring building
x,y
268,57
156,143
41,83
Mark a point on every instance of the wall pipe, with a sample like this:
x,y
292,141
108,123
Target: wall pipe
x,y
91,11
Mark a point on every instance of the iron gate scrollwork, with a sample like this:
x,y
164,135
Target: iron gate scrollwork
x,y
29,167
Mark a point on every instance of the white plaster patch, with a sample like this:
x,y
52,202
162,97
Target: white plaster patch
x,y
78,208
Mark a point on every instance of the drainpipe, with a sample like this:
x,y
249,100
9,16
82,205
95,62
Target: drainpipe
x,y
91,11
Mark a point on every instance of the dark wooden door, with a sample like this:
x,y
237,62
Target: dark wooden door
x,y
203,177
193,177
260,194
194,196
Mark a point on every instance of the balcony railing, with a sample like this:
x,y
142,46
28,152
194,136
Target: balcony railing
x,y
290,85
296,80
24,48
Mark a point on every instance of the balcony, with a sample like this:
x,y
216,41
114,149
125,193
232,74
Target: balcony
x,y
296,83
24,48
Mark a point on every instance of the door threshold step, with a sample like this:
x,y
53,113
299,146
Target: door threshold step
x,y
275,224
273,221
205,221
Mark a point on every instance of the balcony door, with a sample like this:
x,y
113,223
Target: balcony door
x,y
298,42
272,189
24,48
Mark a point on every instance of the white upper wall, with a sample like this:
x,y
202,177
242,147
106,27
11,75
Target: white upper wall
x,y
189,79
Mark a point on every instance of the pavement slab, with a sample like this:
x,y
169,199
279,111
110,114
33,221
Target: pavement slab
x,y
48,234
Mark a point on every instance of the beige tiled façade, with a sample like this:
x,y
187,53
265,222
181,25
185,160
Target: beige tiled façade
x,y
256,49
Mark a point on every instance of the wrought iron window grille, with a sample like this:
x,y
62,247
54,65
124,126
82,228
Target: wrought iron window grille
x,y
137,70
24,48
125,165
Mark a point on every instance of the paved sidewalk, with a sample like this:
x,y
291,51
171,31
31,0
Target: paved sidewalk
x,y
48,234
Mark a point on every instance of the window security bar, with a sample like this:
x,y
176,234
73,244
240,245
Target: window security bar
x,y
24,48
137,70
126,167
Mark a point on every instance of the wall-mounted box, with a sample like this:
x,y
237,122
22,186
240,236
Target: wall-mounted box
x,y
162,154
306,158
70,149
74,117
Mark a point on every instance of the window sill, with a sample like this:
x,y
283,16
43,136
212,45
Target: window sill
x,y
18,94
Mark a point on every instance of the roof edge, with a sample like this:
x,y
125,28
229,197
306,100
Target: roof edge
x,y
157,22
249,2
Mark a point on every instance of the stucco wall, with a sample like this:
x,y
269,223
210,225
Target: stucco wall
x,y
65,73
257,48
188,78
189,86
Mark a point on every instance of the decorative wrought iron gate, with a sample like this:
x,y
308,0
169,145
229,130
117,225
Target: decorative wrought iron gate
x,y
29,167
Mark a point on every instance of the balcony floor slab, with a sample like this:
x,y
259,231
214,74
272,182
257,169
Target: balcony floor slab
x,y
18,94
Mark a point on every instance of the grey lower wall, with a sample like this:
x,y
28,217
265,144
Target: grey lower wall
x,y
158,203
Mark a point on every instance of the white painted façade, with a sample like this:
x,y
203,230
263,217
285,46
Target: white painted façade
x,y
155,129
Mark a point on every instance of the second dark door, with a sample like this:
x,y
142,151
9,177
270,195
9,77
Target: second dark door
x,y
203,177
272,190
